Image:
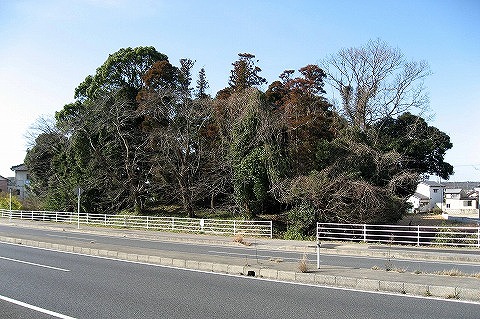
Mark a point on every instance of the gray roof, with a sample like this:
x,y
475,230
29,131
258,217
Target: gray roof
x,y
432,183
420,196
462,185
20,167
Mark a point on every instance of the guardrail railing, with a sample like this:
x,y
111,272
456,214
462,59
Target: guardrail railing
x,y
393,234
192,225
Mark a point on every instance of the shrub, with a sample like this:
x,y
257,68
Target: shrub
x,y
301,222
293,233
5,202
302,264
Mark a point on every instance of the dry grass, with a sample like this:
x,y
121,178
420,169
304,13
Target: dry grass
x,y
452,273
302,264
456,273
425,219
276,260
239,239
390,268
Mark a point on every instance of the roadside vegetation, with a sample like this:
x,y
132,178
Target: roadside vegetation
x,y
143,135
450,272
6,201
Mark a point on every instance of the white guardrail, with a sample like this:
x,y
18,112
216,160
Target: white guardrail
x,y
193,225
392,234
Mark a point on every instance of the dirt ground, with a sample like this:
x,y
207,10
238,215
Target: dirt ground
x,y
427,220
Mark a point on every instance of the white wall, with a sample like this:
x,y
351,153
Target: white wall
x,y
435,193
453,203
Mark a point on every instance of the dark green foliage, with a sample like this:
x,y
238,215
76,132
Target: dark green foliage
x,y
123,70
250,182
423,145
301,222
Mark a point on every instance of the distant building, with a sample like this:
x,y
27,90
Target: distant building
x,y
457,200
427,196
3,184
20,182
462,203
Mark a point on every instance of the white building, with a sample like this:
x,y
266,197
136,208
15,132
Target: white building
x,y
460,203
429,194
459,199
20,181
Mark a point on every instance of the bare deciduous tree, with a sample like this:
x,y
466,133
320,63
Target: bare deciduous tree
x,y
375,81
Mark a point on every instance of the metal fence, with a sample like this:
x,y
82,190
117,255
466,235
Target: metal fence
x,y
408,235
192,225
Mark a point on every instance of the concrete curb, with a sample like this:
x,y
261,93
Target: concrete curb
x,y
266,273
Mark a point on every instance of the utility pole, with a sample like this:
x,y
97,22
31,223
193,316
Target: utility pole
x,y
79,193
10,203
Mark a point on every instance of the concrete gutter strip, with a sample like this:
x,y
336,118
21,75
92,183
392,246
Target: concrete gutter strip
x,y
365,284
396,254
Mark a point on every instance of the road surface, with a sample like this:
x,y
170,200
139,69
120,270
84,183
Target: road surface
x,y
78,286
252,254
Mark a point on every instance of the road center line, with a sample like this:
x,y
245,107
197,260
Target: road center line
x,y
26,305
67,237
33,264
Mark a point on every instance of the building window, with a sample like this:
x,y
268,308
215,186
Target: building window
x,y
435,190
448,205
467,203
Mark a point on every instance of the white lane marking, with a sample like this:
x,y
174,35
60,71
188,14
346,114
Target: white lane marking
x,y
33,264
252,255
38,309
69,237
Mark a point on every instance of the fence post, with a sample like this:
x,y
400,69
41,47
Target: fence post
x,y
173,223
365,233
271,229
105,219
418,235
318,251
147,222
234,228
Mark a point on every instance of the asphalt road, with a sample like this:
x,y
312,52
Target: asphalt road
x,y
78,286
251,253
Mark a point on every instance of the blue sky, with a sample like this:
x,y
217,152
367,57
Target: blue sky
x,y
48,47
